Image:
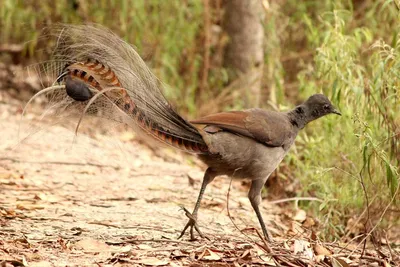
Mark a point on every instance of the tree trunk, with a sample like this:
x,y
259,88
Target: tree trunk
x,y
244,55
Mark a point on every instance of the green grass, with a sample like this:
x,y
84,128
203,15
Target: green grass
x,y
165,33
352,160
350,50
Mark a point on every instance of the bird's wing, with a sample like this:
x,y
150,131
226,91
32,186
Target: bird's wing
x,y
268,127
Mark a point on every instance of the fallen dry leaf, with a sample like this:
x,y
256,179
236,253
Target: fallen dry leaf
x,y
7,212
24,261
337,262
309,222
211,256
265,259
47,197
10,175
319,258
144,247
303,247
286,245
125,249
151,261
321,250
91,245
246,255
297,228
29,206
41,264
300,216
178,254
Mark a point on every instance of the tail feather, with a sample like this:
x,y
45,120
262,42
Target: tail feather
x,y
96,59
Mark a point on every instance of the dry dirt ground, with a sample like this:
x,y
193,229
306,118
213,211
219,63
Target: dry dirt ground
x,y
105,200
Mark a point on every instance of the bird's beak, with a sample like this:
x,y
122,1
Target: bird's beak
x,y
336,111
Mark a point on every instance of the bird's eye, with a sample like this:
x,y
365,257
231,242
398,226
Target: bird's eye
x,y
326,107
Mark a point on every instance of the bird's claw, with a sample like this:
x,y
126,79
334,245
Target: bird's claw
x,y
192,223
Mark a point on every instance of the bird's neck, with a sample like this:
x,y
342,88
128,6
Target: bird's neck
x,y
299,117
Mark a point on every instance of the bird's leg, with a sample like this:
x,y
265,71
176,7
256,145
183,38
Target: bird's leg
x,y
209,176
255,200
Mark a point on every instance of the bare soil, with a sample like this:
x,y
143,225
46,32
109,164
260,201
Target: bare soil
x,y
101,200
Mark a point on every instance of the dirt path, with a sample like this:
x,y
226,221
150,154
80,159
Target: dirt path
x,y
91,202
102,201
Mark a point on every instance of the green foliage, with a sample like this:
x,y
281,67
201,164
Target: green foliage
x,y
165,33
350,50
355,158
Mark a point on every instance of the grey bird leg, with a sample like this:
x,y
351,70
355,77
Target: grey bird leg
x,y
255,200
209,176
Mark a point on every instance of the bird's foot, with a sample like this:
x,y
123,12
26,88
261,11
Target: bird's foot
x,y
192,223
267,236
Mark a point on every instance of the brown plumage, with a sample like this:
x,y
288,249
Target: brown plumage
x,y
102,72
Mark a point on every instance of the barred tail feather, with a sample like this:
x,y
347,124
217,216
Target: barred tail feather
x,y
104,73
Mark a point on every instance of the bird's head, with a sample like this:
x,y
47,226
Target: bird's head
x,y
314,107
319,105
